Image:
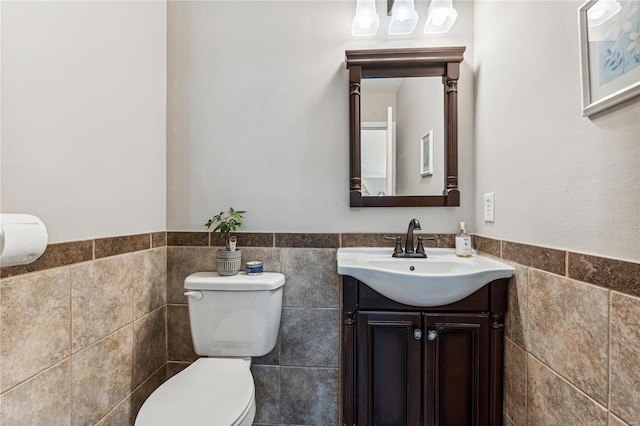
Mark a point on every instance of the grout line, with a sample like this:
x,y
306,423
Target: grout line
x,y
38,373
166,334
130,394
609,351
526,384
70,344
568,381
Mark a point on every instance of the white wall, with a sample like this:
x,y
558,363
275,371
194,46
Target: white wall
x,y
258,116
83,116
561,180
415,118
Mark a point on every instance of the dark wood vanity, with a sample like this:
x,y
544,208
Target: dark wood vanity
x,y
408,365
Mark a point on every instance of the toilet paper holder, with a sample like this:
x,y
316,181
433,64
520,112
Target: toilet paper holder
x,y
23,239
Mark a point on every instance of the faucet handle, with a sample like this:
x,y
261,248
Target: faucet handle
x,y
420,248
398,249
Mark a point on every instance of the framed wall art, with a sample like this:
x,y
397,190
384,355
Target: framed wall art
x,y
426,154
610,53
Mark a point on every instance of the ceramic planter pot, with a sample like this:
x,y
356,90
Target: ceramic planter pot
x,y
228,262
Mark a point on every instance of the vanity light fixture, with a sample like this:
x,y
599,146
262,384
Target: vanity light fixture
x,y
602,11
404,17
440,17
366,21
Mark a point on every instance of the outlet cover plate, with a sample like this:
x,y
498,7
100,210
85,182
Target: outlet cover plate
x,y
489,207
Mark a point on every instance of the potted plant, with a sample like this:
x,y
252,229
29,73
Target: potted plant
x,y
227,259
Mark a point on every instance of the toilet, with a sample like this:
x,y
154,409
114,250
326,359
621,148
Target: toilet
x,y
232,319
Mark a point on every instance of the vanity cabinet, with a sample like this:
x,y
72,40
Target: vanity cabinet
x,y
408,365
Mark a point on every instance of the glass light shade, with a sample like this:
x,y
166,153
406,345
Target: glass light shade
x,y
440,17
602,11
404,17
366,20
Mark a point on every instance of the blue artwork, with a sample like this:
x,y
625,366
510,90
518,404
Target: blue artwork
x,y
619,52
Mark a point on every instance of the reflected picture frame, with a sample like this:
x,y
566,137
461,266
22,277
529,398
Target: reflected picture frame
x,y
609,53
426,154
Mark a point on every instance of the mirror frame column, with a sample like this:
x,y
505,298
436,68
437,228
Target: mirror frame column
x,y
355,182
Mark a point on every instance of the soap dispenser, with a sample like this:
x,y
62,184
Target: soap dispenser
x,y
463,242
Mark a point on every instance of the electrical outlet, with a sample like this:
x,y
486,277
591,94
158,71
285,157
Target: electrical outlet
x,y
489,207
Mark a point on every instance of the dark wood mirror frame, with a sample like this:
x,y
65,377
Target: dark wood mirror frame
x,y
415,62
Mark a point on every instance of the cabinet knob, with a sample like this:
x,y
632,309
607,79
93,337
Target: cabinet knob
x,y
432,334
417,334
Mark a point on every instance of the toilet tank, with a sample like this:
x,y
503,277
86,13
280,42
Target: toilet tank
x,y
236,316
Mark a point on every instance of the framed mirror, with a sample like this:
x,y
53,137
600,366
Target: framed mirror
x,y
403,118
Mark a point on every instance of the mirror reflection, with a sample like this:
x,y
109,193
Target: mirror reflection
x,y
402,136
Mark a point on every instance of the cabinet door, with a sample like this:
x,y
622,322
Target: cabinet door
x,y
389,359
457,369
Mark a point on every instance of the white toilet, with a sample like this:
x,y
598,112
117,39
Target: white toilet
x,y
232,319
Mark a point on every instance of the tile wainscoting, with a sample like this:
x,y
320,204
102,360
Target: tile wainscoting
x,y
83,332
106,322
572,332
298,382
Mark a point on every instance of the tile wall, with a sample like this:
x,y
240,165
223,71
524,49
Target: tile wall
x,y
572,331
104,322
82,332
298,382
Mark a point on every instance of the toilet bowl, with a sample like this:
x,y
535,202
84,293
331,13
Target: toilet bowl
x,y
232,319
211,391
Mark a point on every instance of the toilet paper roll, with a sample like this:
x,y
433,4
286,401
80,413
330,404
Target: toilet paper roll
x,y
23,239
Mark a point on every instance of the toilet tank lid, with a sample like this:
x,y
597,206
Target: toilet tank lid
x,y
240,282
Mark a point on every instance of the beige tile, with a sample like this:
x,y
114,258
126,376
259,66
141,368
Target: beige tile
x,y
506,421
174,368
553,401
43,400
183,261
625,357
614,421
121,415
102,376
141,394
515,382
101,298
150,341
516,316
568,330
34,324
311,278
149,273
180,343
270,257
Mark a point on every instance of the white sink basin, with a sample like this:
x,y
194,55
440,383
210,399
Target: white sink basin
x,y
440,279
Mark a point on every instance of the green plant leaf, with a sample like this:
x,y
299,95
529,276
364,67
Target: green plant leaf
x,y
225,223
